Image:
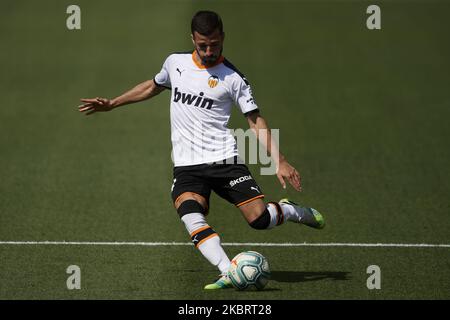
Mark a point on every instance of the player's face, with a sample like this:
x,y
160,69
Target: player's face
x,y
209,48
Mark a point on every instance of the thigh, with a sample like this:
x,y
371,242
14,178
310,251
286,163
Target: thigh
x,y
187,184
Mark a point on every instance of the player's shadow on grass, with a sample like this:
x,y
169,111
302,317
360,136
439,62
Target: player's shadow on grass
x,y
303,276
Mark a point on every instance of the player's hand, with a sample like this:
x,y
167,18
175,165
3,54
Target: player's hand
x,y
91,106
286,171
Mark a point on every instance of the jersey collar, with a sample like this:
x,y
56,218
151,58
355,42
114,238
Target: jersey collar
x,y
200,66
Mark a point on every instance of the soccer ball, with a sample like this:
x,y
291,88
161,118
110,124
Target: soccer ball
x,y
249,270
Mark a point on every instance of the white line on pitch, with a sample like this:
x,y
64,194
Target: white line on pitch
x,y
257,244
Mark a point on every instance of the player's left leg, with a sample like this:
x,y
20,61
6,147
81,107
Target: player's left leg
x,y
235,183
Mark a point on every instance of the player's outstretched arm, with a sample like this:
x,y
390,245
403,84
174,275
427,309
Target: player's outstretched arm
x,y
142,91
284,170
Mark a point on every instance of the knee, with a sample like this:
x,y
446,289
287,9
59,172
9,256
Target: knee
x,y
262,222
190,196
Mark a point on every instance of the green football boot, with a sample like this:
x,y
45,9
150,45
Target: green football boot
x,y
307,216
222,283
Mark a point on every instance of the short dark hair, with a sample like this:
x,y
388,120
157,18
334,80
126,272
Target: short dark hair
x,y
206,22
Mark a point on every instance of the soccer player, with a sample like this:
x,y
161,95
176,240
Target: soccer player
x,y
204,86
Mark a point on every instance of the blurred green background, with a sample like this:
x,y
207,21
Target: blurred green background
x,y
363,115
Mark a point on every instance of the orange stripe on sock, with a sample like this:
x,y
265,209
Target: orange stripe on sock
x,y
250,200
208,237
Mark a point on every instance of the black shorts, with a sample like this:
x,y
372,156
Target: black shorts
x,y
233,182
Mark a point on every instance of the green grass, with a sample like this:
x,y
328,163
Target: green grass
x,y
363,116
179,273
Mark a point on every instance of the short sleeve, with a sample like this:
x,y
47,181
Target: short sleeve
x,y
163,77
242,95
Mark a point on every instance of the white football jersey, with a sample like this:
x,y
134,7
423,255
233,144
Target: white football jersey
x,y
200,107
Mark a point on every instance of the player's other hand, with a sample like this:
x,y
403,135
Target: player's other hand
x,y
91,106
286,171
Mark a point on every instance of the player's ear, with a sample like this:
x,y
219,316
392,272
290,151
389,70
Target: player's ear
x,y
192,38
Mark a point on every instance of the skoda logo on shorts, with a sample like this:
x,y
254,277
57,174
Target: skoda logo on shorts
x,y
239,180
213,81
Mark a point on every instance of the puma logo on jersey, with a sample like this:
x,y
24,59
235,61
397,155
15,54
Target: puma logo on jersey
x,y
256,189
190,99
239,180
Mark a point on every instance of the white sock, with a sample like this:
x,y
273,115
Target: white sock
x,y
210,246
289,211
213,251
273,216
194,221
